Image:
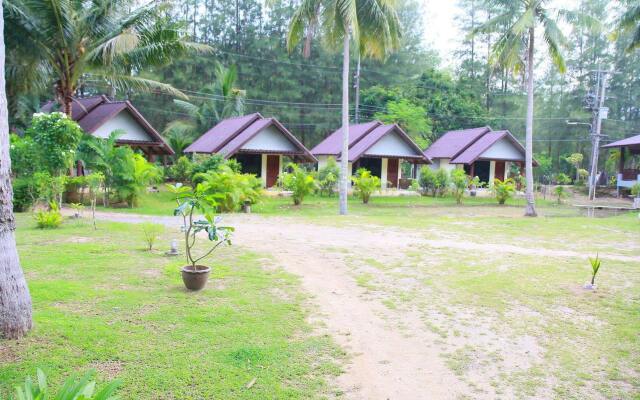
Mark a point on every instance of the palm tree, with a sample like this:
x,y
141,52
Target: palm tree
x,y
66,39
220,100
516,49
375,29
15,301
630,21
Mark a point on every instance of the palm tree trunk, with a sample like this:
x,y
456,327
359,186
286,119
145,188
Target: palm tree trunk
x,y
344,156
15,301
530,210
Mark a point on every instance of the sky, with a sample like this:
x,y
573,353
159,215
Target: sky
x,y
441,31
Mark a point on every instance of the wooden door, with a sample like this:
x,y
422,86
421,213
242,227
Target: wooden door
x,y
392,172
273,168
499,171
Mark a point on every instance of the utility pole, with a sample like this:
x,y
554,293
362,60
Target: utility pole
x,y
599,113
356,85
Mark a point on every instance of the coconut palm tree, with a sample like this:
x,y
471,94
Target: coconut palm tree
x,y
630,22
515,49
375,29
218,101
15,301
66,39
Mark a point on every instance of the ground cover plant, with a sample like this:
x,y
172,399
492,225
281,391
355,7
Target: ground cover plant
x,y
103,303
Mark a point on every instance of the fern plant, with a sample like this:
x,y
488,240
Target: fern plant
x,y
72,389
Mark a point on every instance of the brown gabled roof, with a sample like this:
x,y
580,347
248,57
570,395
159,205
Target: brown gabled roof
x,y
93,112
378,133
229,135
473,152
633,141
453,143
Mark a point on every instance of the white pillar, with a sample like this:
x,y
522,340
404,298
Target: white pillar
x,y
492,173
399,174
263,170
383,173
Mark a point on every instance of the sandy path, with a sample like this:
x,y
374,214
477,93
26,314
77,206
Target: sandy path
x,y
385,363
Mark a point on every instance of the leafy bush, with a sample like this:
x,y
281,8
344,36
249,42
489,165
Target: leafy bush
x,y
504,190
459,183
562,179
49,219
132,176
72,389
181,170
229,188
635,190
441,182
23,194
365,184
561,193
150,233
299,181
427,181
328,177
204,164
56,138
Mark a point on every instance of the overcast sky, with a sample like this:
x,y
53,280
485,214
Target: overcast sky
x,y
441,30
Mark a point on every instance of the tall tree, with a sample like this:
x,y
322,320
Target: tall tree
x,y
375,29
68,38
515,48
630,22
15,301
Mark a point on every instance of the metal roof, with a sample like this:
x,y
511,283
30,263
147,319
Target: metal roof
x,y
630,141
453,143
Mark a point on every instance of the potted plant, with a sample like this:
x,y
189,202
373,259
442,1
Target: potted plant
x,y
595,267
199,201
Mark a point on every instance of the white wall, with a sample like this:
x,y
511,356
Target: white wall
x,y
124,121
391,145
503,149
270,138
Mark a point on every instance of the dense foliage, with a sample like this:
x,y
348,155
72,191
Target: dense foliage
x,y
365,184
299,181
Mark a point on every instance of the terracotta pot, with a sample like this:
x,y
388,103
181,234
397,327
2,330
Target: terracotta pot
x,y
195,279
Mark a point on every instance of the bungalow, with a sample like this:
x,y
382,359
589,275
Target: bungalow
x,y
629,161
482,152
374,146
99,116
257,143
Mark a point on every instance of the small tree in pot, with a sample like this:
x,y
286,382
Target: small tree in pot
x,y
198,201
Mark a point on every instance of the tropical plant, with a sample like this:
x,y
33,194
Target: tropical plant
x,y
49,219
150,233
442,180
595,267
229,188
375,29
562,179
217,101
300,182
365,184
630,22
72,389
561,193
205,163
65,40
181,170
635,190
515,49
198,200
459,183
95,182
427,181
504,190
328,177
15,302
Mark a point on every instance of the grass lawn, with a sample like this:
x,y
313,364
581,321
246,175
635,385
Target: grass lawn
x,y
102,302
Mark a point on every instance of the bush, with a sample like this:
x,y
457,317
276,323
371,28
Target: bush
x,y
150,233
561,193
504,190
132,176
562,179
328,177
181,170
459,183
74,189
427,181
635,190
72,389
441,182
56,138
203,164
229,188
49,219
365,184
299,181
23,194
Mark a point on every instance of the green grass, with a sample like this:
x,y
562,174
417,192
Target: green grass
x,y
100,301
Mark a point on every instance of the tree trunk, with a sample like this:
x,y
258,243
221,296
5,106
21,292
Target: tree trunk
x,y
15,301
530,210
344,156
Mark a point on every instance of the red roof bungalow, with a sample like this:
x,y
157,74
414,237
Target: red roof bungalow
x,y
629,162
374,146
100,116
482,152
257,143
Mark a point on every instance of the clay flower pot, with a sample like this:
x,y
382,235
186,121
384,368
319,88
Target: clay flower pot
x,y
195,279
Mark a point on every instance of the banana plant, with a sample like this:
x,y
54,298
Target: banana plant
x,y
72,389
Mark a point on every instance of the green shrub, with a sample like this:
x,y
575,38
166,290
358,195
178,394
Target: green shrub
x,y
73,388
23,194
299,181
328,177
459,183
56,138
74,189
150,233
562,179
365,184
427,181
229,188
441,182
49,219
181,170
205,163
561,193
635,190
504,190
